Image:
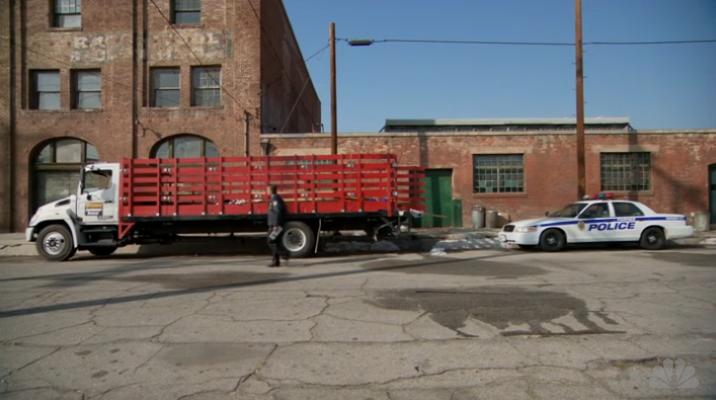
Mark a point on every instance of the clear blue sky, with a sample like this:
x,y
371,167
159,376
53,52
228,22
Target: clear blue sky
x,y
656,86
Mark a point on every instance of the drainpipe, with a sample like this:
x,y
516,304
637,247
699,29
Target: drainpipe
x,y
247,118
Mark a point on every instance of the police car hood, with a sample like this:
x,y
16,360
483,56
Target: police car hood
x,y
538,221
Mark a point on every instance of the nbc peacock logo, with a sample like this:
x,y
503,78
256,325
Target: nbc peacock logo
x,y
673,374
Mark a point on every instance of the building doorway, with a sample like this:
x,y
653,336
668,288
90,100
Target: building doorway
x,y
712,193
439,204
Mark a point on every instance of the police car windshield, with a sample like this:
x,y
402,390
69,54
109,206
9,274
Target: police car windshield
x,y
569,211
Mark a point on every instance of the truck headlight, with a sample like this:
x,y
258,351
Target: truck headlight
x,y
525,229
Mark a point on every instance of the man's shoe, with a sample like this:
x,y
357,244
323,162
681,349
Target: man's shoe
x,y
274,265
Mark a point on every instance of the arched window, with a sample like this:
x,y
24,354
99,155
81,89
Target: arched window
x,y
185,146
56,168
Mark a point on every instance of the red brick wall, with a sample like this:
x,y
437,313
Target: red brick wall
x,y
285,81
679,164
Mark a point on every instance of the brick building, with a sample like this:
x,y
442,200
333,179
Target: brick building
x,y
84,80
522,168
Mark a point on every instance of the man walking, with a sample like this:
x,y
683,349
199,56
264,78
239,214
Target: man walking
x,y
276,216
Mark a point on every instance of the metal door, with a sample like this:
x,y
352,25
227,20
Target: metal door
x,y
438,199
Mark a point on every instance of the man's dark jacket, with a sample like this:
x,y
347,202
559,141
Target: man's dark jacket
x,y
276,211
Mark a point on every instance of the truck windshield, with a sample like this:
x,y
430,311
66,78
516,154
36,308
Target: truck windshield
x,y
569,211
96,180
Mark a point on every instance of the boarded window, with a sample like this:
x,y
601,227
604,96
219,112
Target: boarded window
x,y
45,90
87,89
165,87
626,171
499,173
67,14
206,86
186,11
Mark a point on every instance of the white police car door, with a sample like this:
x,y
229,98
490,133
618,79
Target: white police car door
x,y
594,223
627,228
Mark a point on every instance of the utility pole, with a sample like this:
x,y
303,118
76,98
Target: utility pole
x,y
581,170
334,101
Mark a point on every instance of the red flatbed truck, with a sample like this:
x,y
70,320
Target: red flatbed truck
x,y
140,201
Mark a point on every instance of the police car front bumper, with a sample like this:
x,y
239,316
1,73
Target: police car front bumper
x,y
518,238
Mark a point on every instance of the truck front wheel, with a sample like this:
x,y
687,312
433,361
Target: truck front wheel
x,y
55,243
298,239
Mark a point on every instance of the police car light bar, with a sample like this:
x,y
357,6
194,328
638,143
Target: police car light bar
x,y
600,196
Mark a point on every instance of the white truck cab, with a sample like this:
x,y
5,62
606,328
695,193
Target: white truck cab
x,y
86,220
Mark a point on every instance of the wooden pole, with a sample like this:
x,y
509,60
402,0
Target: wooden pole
x,y
334,100
581,170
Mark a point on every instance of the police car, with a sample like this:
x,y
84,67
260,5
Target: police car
x,y
601,219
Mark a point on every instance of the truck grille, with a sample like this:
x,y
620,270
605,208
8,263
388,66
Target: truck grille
x,y
508,228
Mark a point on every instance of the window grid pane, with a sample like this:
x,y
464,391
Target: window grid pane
x,y
46,90
626,171
88,90
206,86
187,11
498,173
187,5
165,84
68,13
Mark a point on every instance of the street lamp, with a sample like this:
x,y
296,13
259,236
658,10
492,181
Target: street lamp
x,y
334,100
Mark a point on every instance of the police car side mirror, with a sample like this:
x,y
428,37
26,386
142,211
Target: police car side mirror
x,y
546,213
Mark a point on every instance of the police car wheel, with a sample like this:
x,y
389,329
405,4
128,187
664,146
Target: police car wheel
x,y
552,240
652,239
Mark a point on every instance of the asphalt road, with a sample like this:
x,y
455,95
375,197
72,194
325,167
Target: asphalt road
x,y
592,323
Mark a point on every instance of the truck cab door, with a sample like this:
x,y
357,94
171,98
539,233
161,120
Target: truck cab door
x,y
97,200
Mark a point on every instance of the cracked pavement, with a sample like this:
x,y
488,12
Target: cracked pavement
x,y
587,323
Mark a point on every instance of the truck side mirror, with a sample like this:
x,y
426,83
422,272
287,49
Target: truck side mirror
x,y
89,196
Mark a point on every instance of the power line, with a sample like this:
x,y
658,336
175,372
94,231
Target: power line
x,y
367,42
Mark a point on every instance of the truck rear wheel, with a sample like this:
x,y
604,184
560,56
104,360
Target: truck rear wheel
x,y
298,239
102,251
55,243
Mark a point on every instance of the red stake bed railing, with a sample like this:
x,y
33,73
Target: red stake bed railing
x,y
194,187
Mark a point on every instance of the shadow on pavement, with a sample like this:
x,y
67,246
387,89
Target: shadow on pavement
x,y
261,280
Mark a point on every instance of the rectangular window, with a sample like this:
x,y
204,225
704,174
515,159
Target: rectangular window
x,y
87,89
626,171
45,90
67,14
499,173
206,86
165,87
186,11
